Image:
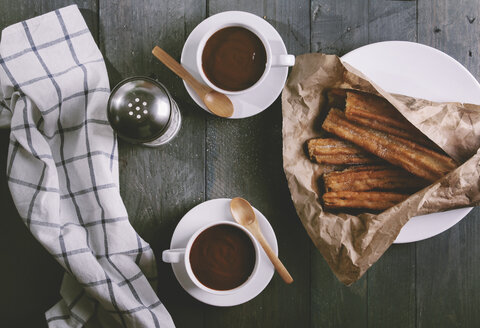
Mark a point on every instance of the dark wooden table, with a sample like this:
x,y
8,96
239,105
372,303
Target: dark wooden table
x,y
432,283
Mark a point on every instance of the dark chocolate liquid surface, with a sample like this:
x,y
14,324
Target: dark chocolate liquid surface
x,y
234,58
222,257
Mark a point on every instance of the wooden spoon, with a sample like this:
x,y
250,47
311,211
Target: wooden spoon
x,y
218,103
243,213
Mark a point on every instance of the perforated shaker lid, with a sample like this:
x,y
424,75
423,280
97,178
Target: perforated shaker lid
x,y
139,109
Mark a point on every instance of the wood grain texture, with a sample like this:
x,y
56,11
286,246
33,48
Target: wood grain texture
x,y
334,304
30,277
448,265
338,26
387,292
391,288
391,281
452,27
158,185
392,20
244,158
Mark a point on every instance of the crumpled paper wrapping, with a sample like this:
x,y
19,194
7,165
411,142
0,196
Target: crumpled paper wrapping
x,y
352,243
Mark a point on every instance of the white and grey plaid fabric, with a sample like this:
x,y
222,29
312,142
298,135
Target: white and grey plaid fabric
x,y
63,173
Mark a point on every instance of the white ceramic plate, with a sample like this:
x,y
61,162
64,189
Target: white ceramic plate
x,y
219,210
419,71
262,96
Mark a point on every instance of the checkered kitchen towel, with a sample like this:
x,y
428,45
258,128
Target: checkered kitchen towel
x,y
63,173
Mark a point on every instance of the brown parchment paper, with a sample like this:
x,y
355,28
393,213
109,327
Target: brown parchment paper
x,y
352,243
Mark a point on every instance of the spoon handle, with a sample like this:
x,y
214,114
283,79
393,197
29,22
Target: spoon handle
x,y
178,69
282,271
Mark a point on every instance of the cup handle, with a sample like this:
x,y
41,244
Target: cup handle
x,y
283,60
173,255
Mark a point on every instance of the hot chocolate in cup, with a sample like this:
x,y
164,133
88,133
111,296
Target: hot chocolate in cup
x,y
220,258
235,58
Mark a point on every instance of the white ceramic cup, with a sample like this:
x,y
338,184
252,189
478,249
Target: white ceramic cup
x,y
273,60
182,255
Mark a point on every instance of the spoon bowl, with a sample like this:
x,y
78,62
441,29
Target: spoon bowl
x,y
218,103
243,213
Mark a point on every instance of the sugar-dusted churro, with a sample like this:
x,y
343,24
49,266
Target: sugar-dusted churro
x,y
372,177
413,157
377,113
371,106
373,200
335,151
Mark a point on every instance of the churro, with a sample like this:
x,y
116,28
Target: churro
x,y
372,177
373,200
413,157
377,113
335,151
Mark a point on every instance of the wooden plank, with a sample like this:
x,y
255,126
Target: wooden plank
x,y
244,158
337,28
391,281
392,20
391,288
158,185
334,304
30,276
448,265
452,27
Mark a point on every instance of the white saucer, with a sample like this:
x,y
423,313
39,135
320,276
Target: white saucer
x,y
262,96
201,215
420,71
